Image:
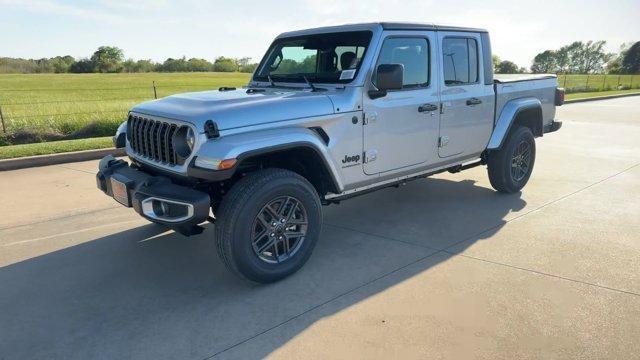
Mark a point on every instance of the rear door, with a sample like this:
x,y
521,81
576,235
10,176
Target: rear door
x,y
401,128
466,119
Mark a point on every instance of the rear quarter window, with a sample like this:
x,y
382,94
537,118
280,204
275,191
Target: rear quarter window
x,y
460,60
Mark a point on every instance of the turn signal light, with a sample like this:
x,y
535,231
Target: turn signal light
x,y
227,164
214,164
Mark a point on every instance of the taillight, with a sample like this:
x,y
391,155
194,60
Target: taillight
x,y
559,96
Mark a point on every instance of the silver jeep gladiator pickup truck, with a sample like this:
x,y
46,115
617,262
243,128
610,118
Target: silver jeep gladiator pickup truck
x,y
330,113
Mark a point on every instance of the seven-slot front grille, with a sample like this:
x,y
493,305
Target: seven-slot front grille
x,y
153,139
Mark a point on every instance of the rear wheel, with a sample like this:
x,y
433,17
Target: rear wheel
x,y
268,224
510,167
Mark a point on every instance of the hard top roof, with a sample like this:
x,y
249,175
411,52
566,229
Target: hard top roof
x,y
384,26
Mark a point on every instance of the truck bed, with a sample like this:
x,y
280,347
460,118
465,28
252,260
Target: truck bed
x,y
515,86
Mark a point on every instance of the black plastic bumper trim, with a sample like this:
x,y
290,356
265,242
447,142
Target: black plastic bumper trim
x,y
141,185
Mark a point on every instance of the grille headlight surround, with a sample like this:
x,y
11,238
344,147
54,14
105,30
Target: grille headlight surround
x,y
191,138
182,141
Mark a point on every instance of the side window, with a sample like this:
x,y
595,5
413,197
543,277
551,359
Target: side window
x,y
413,53
460,61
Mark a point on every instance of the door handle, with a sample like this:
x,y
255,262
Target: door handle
x,y
474,101
427,108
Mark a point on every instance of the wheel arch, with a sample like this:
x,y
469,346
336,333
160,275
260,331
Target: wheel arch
x,y
525,111
300,157
298,149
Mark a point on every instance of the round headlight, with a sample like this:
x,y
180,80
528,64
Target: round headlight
x,y
191,139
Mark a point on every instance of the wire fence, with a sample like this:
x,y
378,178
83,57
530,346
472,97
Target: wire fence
x,y
589,83
65,110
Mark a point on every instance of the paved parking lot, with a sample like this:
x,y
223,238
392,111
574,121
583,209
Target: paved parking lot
x,y
440,268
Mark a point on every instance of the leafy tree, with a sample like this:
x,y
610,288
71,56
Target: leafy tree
x,y
507,67
496,61
82,66
545,62
631,59
249,68
146,66
129,66
243,62
61,64
563,58
174,65
578,57
107,59
223,64
589,57
199,65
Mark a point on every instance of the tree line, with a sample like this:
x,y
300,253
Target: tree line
x,y
110,59
576,58
579,58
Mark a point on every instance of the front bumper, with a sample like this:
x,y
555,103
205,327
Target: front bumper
x,y
155,198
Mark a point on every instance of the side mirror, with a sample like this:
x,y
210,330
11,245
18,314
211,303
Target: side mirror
x,y
388,77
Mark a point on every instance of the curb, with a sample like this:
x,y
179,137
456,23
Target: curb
x,y
62,158
600,98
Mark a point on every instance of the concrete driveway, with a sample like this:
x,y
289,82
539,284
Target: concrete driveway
x,y
440,268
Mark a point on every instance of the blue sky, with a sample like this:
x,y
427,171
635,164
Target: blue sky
x,y
157,29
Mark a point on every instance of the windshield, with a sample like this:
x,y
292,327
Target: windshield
x,y
325,58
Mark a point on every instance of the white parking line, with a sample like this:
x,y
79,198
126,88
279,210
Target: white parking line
x,y
71,232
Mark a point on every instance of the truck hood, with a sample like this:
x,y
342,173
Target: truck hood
x,y
237,108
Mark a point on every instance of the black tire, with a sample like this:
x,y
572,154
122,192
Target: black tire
x,y
237,217
499,162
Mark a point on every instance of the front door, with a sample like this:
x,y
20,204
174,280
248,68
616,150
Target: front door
x,y
466,121
401,128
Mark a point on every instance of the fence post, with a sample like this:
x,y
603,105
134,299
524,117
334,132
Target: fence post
x,y
631,85
604,82
4,128
587,86
155,93
565,82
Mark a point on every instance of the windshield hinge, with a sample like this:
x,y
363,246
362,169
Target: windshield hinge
x,y
368,118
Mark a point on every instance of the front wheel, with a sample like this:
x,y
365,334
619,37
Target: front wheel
x,y
510,167
268,224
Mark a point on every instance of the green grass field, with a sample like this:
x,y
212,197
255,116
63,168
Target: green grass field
x,y
48,107
54,147
63,104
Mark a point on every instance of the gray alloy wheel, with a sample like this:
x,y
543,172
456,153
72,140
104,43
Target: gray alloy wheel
x,y
520,161
279,229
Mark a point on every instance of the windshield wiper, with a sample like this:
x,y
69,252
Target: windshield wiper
x,y
273,84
